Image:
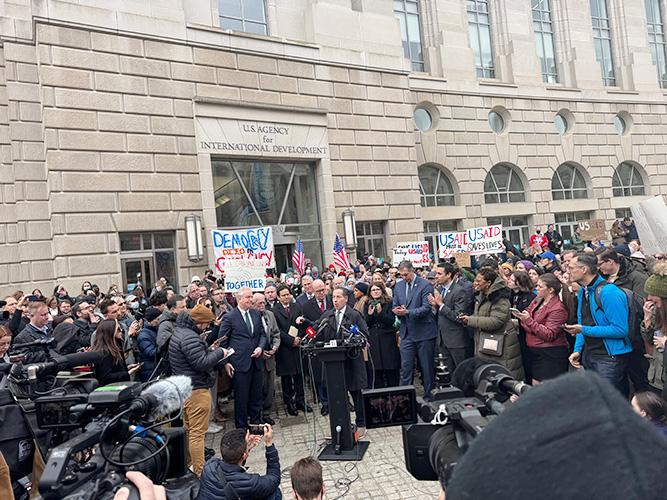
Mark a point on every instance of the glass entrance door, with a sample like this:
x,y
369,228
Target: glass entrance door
x,y
283,258
138,271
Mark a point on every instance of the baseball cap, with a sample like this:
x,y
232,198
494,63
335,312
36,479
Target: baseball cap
x,y
547,255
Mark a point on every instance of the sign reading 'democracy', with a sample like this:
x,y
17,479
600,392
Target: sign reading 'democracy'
x,y
651,221
241,137
475,241
414,251
252,276
250,247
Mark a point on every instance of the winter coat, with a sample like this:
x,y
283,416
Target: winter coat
x,y
632,276
108,370
382,338
246,486
190,356
288,357
544,326
147,339
31,334
492,315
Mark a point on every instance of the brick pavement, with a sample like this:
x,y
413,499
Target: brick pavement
x,y
380,475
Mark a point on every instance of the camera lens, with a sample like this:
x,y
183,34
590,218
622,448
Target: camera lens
x,y
443,451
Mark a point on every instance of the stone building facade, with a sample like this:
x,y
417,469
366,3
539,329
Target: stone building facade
x,y
119,119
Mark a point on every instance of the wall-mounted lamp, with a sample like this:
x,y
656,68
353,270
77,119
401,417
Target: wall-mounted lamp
x,y
350,228
193,238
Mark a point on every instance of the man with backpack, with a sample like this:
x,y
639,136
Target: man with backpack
x,y
629,275
602,343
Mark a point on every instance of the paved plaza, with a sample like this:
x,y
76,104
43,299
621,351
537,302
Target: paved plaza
x,y
381,474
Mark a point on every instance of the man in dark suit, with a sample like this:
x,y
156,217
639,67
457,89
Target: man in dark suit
x,y
307,287
269,354
450,300
312,312
242,330
339,321
418,328
288,362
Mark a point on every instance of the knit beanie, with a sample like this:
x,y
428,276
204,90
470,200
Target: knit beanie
x,y
656,284
362,287
527,264
573,437
202,314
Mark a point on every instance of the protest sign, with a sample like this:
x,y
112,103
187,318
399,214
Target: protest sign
x,y
462,259
414,251
244,247
475,241
651,222
238,276
590,230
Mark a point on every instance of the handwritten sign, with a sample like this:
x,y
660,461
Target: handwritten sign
x,y
251,276
462,259
244,247
414,251
651,222
590,230
475,241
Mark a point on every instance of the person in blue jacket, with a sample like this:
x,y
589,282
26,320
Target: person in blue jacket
x,y
227,479
602,343
147,340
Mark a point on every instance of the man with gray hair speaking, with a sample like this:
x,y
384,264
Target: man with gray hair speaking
x,y
242,330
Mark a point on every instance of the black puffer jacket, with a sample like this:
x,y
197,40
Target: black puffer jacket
x,y
190,356
632,276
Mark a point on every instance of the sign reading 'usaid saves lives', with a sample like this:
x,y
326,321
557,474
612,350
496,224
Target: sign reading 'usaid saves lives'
x,y
475,241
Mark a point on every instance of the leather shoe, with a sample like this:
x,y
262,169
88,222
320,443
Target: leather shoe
x,y
304,407
269,420
292,410
324,411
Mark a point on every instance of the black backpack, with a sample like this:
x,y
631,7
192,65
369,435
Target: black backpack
x,y
635,312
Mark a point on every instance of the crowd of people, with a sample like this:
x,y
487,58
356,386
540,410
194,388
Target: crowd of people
x,y
540,311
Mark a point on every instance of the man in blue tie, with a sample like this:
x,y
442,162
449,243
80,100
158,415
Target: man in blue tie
x,y
242,330
418,327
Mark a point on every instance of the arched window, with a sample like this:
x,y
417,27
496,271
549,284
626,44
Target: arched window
x,y
568,183
435,188
627,181
503,185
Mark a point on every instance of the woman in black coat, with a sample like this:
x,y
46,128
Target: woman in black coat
x,y
522,296
109,342
382,337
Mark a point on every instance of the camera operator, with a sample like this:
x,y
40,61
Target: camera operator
x,y
37,329
227,478
189,355
307,482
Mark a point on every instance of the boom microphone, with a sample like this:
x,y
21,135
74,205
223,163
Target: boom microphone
x,y
60,363
48,342
162,398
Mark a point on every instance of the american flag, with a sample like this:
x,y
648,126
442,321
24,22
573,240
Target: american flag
x,y
299,258
340,256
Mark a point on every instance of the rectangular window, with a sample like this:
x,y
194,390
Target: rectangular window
x,y
407,13
370,239
622,213
147,257
602,41
515,228
566,224
544,40
656,38
479,28
431,230
243,15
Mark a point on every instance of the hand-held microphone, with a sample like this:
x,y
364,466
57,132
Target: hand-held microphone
x,y
162,398
337,446
60,363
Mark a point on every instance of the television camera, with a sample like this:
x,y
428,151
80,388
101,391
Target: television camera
x,y
436,433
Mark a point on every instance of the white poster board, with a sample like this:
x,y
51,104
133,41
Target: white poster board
x,y
651,222
414,251
236,277
243,247
475,241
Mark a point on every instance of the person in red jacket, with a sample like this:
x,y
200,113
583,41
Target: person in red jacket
x,y
538,240
542,321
